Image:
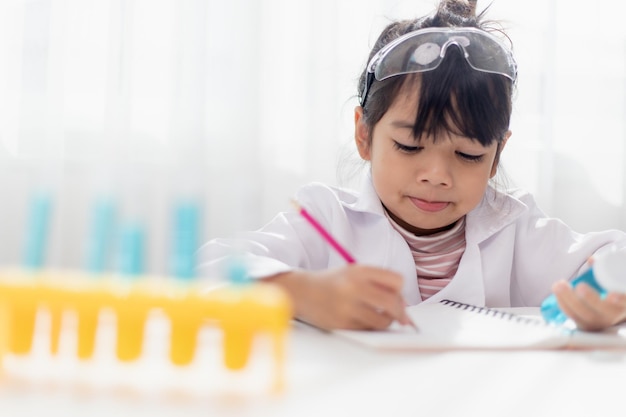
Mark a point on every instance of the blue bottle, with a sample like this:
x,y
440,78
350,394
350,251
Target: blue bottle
x,y
608,273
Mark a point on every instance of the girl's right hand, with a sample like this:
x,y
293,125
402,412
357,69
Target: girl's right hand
x,y
351,297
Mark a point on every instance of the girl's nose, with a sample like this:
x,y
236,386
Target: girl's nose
x,y
435,170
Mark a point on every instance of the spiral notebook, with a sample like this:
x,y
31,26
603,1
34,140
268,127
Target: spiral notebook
x,y
451,325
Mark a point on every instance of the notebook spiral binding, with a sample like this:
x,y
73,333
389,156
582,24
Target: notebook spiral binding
x,y
495,313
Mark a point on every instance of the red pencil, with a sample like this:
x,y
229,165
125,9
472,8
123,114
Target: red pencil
x,y
327,236
332,242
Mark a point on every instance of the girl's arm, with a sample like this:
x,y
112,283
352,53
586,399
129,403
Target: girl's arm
x,y
549,253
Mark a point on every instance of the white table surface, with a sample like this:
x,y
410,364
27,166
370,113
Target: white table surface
x,y
326,376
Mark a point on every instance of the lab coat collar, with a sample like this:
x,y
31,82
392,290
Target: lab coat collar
x,y
496,210
367,200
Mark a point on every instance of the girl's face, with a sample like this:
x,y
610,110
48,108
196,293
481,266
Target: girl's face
x,y
425,185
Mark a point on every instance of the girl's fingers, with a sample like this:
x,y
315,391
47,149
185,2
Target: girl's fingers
x,y
378,299
616,300
585,306
378,289
615,305
372,319
359,297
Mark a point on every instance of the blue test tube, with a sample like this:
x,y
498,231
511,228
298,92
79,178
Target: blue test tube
x,y
237,271
24,313
101,231
131,252
37,231
185,239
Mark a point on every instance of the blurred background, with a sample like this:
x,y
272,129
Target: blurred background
x,y
234,104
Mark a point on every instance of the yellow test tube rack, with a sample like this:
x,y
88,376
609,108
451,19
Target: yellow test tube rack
x,y
240,311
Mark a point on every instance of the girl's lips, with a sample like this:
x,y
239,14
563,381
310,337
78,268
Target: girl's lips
x,y
429,205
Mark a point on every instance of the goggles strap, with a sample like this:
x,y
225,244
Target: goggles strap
x,y
369,80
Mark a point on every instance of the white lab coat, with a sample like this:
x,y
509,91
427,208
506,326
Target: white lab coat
x,y
513,254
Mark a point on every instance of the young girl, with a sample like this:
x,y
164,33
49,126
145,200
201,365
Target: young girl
x,y
433,119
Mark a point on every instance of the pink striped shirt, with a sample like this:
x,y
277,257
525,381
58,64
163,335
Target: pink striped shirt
x,y
436,256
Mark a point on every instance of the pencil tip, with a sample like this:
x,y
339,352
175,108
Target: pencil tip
x,y
295,204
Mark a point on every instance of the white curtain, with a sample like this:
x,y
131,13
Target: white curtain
x,y
236,103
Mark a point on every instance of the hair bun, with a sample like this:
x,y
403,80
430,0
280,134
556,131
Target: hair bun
x,y
462,8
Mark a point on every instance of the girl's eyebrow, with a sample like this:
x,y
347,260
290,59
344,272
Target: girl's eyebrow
x,y
401,124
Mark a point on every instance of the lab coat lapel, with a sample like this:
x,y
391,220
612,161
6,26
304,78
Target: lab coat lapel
x,y
467,285
399,259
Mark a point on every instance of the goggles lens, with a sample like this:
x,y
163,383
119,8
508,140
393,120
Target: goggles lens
x,y
424,49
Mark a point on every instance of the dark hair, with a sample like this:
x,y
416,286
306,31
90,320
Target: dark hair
x,y
454,97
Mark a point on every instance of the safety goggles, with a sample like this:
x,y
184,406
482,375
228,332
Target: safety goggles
x,y
424,49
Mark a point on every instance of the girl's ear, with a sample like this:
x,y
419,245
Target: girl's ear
x,y
361,134
501,146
